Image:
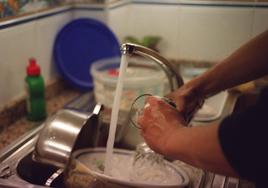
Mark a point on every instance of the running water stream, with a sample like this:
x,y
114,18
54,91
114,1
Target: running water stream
x,y
115,112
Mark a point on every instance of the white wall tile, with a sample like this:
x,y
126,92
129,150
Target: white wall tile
x,y
5,77
16,46
98,15
260,21
210,33
188,32
45,34
117,21
160,20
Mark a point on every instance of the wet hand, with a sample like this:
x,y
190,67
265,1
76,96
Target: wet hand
x,y
158,122
187,101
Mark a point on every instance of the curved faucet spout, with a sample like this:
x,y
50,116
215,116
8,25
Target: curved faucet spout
x,y
174,78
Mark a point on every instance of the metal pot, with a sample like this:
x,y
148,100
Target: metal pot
x,y
65,132
70,130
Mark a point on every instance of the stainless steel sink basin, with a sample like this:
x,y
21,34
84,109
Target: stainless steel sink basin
x,y
37,173
17,169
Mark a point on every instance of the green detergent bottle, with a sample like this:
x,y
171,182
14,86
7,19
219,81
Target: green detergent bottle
x,y
36,105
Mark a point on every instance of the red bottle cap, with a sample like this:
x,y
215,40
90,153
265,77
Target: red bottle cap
x,y
33,68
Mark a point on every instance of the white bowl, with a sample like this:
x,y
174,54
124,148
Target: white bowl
x,y
81,156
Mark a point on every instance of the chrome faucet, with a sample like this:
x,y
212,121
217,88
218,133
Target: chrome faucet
x,y
174,78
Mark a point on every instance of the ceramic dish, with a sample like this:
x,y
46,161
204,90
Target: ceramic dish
x,y
212,108
91,176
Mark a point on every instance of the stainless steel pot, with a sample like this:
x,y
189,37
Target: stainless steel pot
x,y
70,130
64,133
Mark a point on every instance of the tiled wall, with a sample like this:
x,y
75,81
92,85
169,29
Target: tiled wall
x,y
197,30
194,30
18,44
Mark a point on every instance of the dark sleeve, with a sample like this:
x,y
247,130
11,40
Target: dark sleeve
x,y
244,140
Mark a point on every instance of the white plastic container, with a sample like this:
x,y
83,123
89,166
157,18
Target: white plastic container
x,y
142,76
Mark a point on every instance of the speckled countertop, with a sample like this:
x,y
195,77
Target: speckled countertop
x,y
11,132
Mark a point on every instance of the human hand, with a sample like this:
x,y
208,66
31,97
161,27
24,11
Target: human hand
x,y
158,122
187,101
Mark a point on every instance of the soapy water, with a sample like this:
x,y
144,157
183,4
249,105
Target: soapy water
x,y
122,168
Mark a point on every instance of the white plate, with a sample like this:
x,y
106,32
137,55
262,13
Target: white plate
x,y
212,108
81,156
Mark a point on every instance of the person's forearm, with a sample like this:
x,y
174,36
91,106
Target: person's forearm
x,y
247,63
199,146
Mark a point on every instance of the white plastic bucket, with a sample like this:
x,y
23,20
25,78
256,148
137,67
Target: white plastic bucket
x,y
141,77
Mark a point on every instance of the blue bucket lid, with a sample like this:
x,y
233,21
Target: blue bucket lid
x,y
78,45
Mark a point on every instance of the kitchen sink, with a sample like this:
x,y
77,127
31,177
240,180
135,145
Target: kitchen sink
x,y
37,173
17,169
